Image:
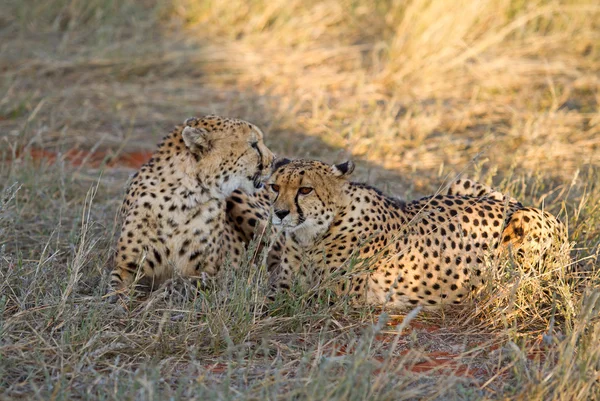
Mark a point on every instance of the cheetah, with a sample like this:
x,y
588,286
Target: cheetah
x,y
430,251
174,211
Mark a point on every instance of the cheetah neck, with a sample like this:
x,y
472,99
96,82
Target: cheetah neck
x,y
361,209
176,172
205,173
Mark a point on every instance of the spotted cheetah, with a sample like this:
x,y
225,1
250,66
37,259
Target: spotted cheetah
x,y
174,212
430,251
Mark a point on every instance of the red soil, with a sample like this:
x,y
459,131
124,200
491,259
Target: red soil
x,y
79,157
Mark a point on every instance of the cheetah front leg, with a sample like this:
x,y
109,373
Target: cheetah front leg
x,y
139,265
123,276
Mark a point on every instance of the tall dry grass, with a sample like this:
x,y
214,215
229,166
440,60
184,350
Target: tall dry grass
x,y
521,76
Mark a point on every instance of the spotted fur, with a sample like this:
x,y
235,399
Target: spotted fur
x,y
174,212
430,251
249,215
530,235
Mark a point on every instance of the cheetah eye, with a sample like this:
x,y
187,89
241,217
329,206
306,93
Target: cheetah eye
x,y
275,187
254,145
305,190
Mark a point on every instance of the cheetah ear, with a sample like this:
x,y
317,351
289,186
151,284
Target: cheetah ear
x,y
343,169
280,162
196,139
190,121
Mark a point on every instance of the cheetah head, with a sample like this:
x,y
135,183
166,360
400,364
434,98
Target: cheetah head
x,y
230,154
304,195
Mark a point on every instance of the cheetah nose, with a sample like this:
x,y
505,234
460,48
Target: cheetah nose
x,y
281,213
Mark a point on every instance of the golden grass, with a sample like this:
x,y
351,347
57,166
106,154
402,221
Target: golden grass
x,y
484,74
414,91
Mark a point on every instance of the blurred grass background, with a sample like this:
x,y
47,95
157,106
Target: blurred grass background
x,y
406,85
414,91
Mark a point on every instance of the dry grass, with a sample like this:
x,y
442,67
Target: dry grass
x,y
415,91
